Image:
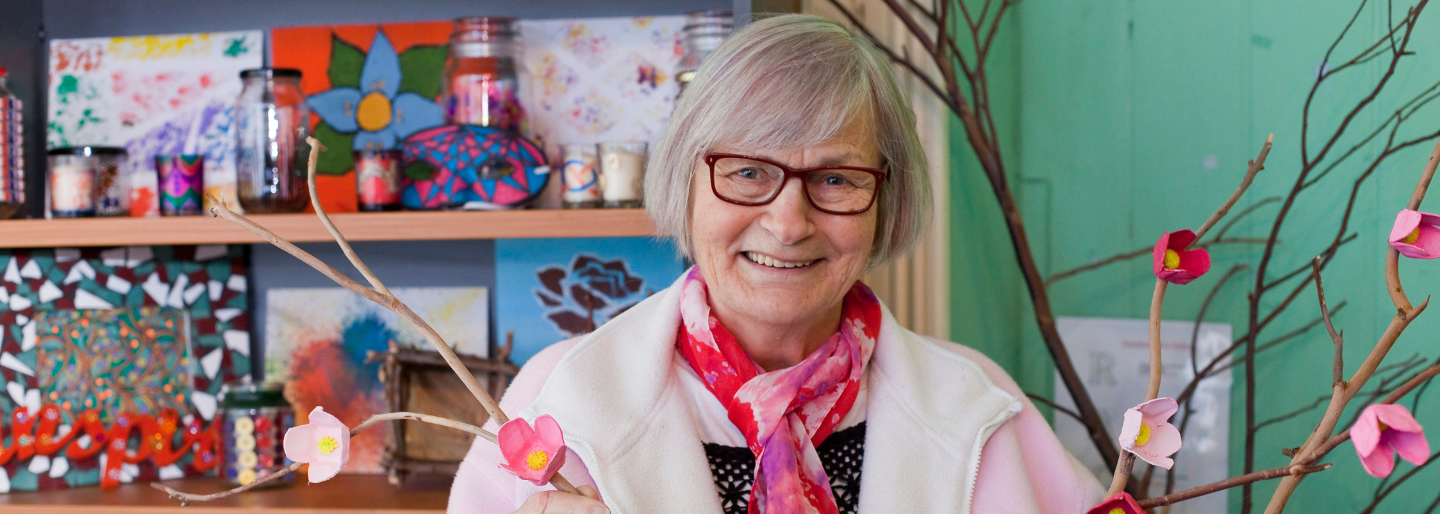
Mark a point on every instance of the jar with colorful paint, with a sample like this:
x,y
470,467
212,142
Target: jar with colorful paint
x,y
253,432
377,179
480,86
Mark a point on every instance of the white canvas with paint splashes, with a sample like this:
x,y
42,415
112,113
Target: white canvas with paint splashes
x,y
170,94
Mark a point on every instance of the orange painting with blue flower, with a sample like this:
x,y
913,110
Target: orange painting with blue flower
x,y
368,86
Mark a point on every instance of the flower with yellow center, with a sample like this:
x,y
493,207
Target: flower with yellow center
x,y
1413,237
374,112
1144,436
537,460
328,445
1172,259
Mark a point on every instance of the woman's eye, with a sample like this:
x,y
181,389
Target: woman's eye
x,y
834,180
750,173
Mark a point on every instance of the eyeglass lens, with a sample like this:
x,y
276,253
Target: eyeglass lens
x,y
750,181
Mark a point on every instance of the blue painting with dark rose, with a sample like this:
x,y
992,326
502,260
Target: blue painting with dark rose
x,y
550,290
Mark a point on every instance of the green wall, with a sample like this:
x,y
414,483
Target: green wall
x,y
1124,119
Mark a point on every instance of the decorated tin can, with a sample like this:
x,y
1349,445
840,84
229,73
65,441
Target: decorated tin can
x,y
582,179
182,181
253,431
377,180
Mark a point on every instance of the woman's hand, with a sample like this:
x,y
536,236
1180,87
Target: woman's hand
x,y
556,502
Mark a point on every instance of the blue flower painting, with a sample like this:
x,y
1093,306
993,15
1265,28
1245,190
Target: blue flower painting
x,y
376,112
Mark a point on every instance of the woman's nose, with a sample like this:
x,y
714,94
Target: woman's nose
x,y
788,216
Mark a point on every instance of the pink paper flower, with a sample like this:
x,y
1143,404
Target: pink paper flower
x,y
1385,427
1175,264
324,443
1148,434
533,455
1416,235
1121,503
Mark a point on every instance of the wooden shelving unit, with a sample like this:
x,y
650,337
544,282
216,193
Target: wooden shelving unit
x,y
386,226
344,494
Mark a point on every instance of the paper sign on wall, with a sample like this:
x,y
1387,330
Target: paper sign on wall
x,y
1112,357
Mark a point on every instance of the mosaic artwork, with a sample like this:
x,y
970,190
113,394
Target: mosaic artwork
x,y
152,95
318,339
134,345
133,360
344,64
548,291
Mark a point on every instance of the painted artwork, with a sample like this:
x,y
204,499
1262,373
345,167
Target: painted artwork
x,y
118,344
153,95
1113,359
550,290
317,339
594,80
368,86
582,81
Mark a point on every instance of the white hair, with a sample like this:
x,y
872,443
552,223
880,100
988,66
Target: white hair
x,y
783,83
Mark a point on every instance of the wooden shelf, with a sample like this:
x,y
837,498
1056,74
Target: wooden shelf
x,y
380,226
344,494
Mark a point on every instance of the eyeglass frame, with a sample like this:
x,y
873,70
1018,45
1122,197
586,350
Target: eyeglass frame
x,y
802,174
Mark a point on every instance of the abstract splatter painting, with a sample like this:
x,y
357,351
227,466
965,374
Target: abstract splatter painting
x,y
317,339
152,95
600,79
549,290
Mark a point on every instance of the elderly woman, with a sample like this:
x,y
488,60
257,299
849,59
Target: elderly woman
x,y
768,377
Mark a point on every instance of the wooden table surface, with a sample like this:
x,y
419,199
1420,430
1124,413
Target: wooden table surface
x,y
344,494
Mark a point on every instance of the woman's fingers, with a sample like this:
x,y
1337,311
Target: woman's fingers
x,y
556,502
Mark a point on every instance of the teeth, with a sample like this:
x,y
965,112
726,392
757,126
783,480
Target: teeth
x,y
775,263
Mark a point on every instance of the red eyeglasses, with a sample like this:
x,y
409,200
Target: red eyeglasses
x,y
745,180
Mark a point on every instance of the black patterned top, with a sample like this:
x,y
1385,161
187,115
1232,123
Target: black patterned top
x,y
840,454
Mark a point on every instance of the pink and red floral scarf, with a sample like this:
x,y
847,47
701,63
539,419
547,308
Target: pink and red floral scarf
x,y
784,414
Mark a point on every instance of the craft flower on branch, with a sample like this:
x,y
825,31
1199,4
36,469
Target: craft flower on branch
x,y
1386,429
1174,263
1416,234
1148,434
324,443
376,111
533,455
1121,503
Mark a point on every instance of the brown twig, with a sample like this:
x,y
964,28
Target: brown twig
x,y
1139,252
384,299
1338,365
1248,478
280,471
1253,169
316,148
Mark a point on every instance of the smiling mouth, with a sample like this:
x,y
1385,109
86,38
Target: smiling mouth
x,y
764,260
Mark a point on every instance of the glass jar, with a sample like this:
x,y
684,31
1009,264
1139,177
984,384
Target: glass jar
x,y
254,421
703,33
480,86
622,172
271,123
76,174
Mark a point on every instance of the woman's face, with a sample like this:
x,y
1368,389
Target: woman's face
x,y
783,262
